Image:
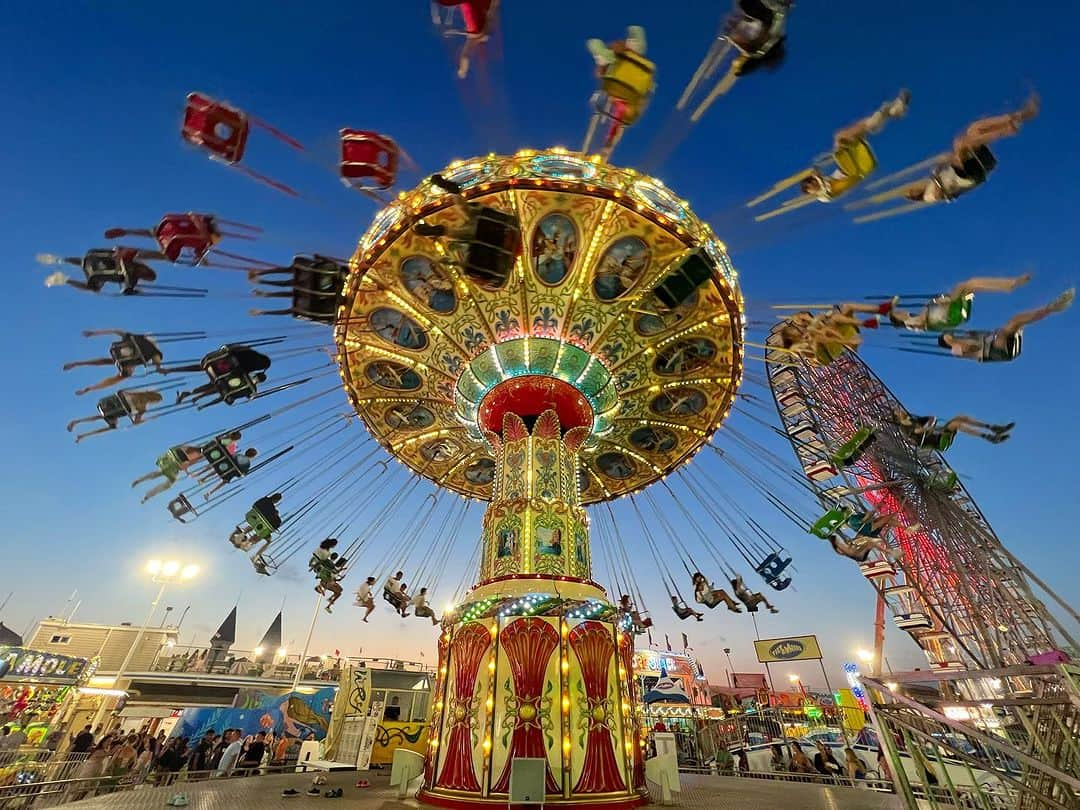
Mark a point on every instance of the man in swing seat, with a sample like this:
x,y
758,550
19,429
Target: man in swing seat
x,y
683,610
627,606
421,608
102,266
1004,344
852,160
928,431
706,594
859,548
113,408
365,598
129,353
394,593
971,161
750,598
953,308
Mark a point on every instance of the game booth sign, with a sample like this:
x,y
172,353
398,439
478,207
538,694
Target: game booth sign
x,y
35,686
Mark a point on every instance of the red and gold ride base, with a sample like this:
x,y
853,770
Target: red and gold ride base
x,y
555,687
535,686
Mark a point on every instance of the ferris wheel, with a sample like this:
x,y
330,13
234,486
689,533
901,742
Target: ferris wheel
x,y
931,554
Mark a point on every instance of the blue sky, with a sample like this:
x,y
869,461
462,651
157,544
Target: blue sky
x,y
93,98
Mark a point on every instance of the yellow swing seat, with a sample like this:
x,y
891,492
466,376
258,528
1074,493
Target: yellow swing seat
x,y
630,78
855,159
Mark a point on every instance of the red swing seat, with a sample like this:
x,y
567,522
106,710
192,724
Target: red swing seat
x,y
218,128
368,159
186,238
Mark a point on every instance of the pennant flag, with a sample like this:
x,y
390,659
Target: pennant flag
x,y
686,643
667,642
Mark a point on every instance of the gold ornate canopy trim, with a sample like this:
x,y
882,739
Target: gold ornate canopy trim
x,y
590,293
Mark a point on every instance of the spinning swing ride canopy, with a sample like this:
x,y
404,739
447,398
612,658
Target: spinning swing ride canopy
x,y
620,310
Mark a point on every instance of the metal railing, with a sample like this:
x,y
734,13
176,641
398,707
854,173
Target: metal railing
x,y
1003,738
266,664
58,790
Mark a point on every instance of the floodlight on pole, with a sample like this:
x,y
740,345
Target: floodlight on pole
x,y
163,573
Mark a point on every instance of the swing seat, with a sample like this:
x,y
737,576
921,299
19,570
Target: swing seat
x,y
113,408
825,525
128,354
941,481
849,451
855,159
677,287
269,565
221,461
368,160
771,568
218,128
877,569
230,382
171,462
398,602
258,524
186,238
820,471
180,507
630,78
916,620
317,286
103,265
491,253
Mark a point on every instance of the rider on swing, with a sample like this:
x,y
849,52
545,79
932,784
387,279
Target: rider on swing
x,y
1004,344
950,310
750,598
683,610
627,606
245,537
928,430
421,608
129,353
119,264
859,548
135,403
826,188
706,594
970,162
394,593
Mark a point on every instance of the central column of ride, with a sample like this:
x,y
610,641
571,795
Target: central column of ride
x,y
535,666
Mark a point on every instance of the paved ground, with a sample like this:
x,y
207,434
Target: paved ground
x,y
699,793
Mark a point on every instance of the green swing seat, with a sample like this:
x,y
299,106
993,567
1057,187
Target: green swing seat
x,y
849,450
258,524
825,525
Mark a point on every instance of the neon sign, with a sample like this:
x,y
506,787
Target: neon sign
x,y
20,662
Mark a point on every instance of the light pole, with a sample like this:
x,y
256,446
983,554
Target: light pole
x,y
162,573
731,668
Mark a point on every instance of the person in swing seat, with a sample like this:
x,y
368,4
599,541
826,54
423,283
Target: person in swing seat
x,y
421,608
706,594
953,308
1004,344
683,610
750,598
130,352
929,430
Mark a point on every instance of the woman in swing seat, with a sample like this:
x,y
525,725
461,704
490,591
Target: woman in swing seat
x,y
706,594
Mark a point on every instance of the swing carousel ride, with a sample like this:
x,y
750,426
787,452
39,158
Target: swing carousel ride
x,y
547,333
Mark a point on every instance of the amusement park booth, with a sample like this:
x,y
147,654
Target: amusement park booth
x,y
37,689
